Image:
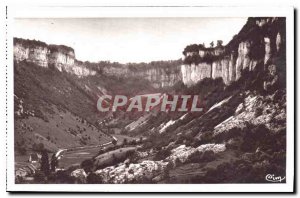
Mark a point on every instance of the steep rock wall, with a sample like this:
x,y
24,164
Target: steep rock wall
x,y
57,57
158,77
260,40
36,54
161,77
63,58
259,43
193,73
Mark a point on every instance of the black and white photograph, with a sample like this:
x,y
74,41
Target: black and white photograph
x,y
160,99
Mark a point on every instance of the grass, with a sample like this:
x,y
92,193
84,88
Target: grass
x,y
76,157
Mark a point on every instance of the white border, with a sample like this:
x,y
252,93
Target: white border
x,y
76,12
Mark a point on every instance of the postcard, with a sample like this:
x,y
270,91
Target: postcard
x,y
150,99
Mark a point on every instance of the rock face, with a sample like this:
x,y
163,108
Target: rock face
x,y
182,153
259,41
63,58
161,77
58,57
158,76
193,73
134,173
255,110
37,54
258,44
152,170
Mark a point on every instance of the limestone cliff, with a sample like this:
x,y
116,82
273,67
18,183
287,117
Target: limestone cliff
x,y
165,76
58,57
193,73
35,52
259,42
63,58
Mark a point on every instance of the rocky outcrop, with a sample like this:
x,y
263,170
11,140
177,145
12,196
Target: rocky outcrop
x,y
158,76
183,152
147,170
133,173
261,40
256,110
58,57
38,53
79,173
258,44
63,58
193,73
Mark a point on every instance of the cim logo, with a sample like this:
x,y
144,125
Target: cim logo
x,y
273,178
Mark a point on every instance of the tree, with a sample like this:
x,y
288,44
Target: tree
x,y
39,177
92,178
114,158
87,165
45,162
166,171
101,151
133,142
125,141
219,43
212,44
54,162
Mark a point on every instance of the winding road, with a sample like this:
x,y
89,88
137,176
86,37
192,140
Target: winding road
x,y
30,168
59,153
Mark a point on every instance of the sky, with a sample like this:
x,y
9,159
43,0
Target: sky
x,y
128,39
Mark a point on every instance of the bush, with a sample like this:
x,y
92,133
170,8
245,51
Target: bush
x,y
195,157
45,166
62,177
258,112
40,177
208,156
92,178
87,165
233,143
227,135
162,154
254,137
125,141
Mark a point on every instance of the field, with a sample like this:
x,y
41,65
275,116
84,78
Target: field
x,y
74,158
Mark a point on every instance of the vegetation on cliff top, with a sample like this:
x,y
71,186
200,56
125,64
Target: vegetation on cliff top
x,y
35,43
29,43
251,32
